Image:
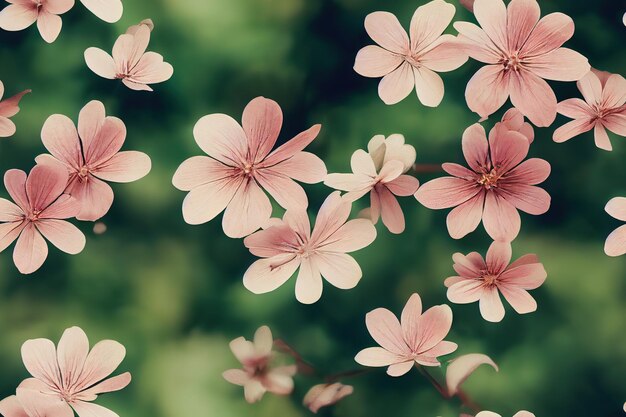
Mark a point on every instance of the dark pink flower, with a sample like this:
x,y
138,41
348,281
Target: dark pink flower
x,y
602,109
498,183
241,167
9,108
379,172
484,280
288,245
91,154
416,339
521,51
408,63
39,211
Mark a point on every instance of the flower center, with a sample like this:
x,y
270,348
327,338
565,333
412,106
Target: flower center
x,y
490,279
413,60
512,62
248,169
489,180
34,215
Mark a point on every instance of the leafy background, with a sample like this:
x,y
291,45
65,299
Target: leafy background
x,y
172,293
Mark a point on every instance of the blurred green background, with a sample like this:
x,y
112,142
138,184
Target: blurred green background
x,y
172,293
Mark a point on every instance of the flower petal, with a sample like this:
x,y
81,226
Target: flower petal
x,y
205,202
30,251
527,276
562,64
428,23
385,29
466,217
391,212
15,184
386,330
403,186
221,137
377,356
249,210
268,274
399,369
473,41
533,97
49,25
475,147
572,129
40,359
521,301
303,167
126,166
410,315
522,16
374,61
492,17
446,192
199,170
85,409
71,354
100,62
615,244
309,283
550,33
528,198
462,367
292,146
108,10
429,86
532,171
498,256
508,150
616,207
487,90
103,359
397,85
500,218
432,327
93,197
262,120
491,307
466,291
64,235
16,17
341,270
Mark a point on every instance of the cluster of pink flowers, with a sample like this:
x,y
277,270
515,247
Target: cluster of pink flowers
x,y
69,182
66,378
244,172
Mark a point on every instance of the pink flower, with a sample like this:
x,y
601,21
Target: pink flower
x,y
130,61
20,14
92,154
521,51
9,108
32,403
603,108
416,339
616,242
41,206
259,375
323,395
483,280
71,374
289,245
496,186
492,414
108,10
460,368
241,166
406,63
513,120
379,173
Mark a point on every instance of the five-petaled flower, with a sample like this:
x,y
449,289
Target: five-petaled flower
x,y
416,339
241,164
602,109
411,62
259,375
92,154
379,172
22,13
39,209
9,108
71,373
130,62
484,279
616,242
288,245
521,51
496,186
323,395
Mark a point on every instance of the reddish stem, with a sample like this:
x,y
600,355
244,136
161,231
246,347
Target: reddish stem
x,y
427,168
303,366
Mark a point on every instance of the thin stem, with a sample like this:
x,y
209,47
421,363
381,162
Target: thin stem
x,y
348,374
468,402
303,366
433,381
427,168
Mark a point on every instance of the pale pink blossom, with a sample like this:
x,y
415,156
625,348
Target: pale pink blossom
x,y
408,62
20,14
32,403
91,154
460,368
259,375
108,10
498,184
484,280
416,339
39,209
602,109
379,172
288,245
323,395
616,242
521,51
130,62
492,414
71,374
9,108
513,120
241,167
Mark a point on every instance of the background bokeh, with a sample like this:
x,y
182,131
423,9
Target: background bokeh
x,y
172,293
